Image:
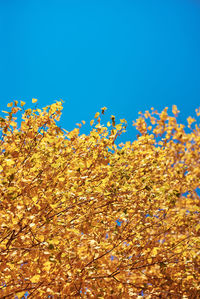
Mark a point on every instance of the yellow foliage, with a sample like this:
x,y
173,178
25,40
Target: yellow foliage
x,y
35,278
83,215
9,104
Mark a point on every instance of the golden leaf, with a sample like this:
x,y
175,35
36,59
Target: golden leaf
x,y
96,115
154,251
35,279
9,104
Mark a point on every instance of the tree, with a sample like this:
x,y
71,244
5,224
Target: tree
x,y
82,216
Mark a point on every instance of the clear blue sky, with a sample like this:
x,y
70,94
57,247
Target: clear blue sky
x,y
127,55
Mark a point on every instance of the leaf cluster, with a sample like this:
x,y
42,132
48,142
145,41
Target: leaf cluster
x,y
82,216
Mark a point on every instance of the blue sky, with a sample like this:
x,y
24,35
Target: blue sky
x,y
127,55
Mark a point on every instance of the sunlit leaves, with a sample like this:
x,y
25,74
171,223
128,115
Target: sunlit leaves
x,y
9,104
103,110
83,216
35,278
96,115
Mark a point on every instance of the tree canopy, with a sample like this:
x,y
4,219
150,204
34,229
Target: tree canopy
x,y
84,216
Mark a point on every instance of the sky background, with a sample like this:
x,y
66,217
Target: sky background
x,y
127,55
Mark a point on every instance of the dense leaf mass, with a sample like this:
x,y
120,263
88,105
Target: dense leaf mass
x,y
82,216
